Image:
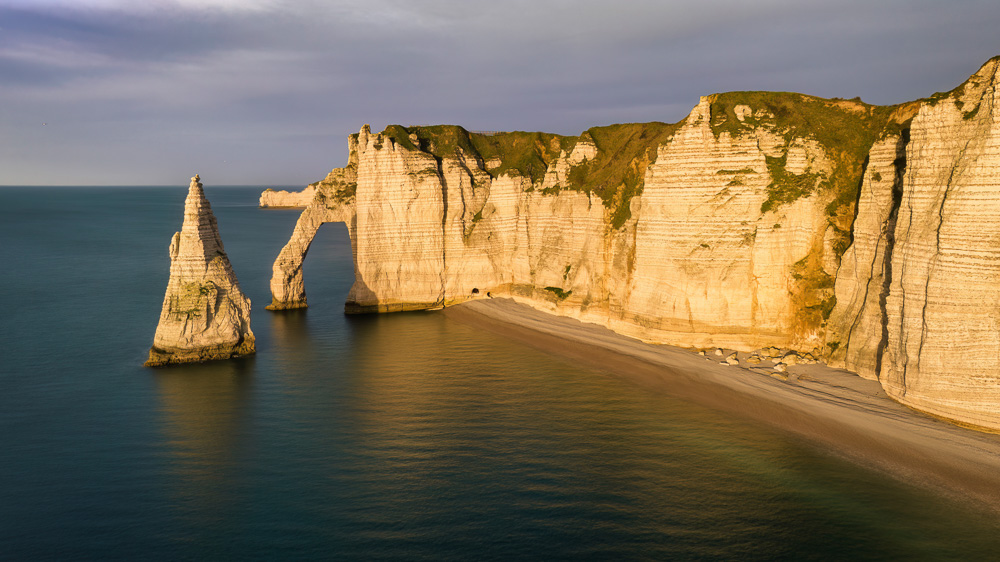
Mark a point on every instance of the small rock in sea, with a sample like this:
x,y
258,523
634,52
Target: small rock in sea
x,y
719,352
780,368
732,359
790,358
753,360
701,352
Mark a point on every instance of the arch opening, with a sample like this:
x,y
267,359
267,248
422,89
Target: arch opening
x,y
328,264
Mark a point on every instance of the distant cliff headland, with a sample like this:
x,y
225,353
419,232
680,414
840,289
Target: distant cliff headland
x,y
867,235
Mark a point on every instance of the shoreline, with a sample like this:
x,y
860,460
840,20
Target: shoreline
x,y
831,408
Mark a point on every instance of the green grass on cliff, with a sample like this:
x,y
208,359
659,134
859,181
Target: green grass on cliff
x,y
618,172
559,292
334,184
845,129
615,175
785,186
813,290
520,153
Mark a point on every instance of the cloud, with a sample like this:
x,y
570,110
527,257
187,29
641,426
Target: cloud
x,y
168,81
57,53
146,6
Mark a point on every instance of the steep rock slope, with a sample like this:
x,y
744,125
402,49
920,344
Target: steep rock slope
x,y
725,229
329,204
856,332
862,233
938,262
205,316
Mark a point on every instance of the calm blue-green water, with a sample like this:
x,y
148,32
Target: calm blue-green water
x,y
404,436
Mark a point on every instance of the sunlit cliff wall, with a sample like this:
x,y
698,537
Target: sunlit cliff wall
x,y
867,234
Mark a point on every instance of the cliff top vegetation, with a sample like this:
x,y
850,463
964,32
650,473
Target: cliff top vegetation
x,y
845,129
615,175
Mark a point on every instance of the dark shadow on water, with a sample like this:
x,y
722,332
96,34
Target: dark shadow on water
x,y
239,366
369,320
203,405
290,330
205,413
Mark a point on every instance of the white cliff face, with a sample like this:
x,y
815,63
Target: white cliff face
x,y
330,203
856,332
698,262
710,268
733,237
283,199
943,307
917,297
397,187
205,316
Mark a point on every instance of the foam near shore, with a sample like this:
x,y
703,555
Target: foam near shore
x,y
832,408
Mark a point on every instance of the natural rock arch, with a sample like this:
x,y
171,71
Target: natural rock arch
x,y
287,285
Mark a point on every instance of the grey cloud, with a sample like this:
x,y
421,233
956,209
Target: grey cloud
x,y
267,96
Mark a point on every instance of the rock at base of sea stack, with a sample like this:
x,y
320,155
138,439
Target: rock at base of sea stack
x,y
205,315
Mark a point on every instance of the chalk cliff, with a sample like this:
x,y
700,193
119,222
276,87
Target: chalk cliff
x,y
930,224
866,234
283,199
721,230
205,316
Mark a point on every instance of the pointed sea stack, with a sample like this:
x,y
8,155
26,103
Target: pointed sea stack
x,y
205,315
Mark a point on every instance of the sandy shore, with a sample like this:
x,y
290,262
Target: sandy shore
x,y
831,408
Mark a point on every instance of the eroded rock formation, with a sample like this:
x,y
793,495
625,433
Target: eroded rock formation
x,y
282,199
205,316
328,205
938,261
867,235
717,231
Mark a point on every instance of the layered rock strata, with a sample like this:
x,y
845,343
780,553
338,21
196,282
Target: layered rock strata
x,y
698,243
856,331
205,316
329,204
283,199
939,345
859,233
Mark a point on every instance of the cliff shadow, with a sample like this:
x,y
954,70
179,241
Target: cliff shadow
x,y
890,244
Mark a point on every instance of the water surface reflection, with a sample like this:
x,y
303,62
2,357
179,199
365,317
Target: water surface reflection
x,y
410,435
205,410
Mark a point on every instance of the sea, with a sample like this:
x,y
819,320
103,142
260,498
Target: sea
x,y
403,436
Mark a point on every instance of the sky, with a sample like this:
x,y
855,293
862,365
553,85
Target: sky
x,y
265,92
